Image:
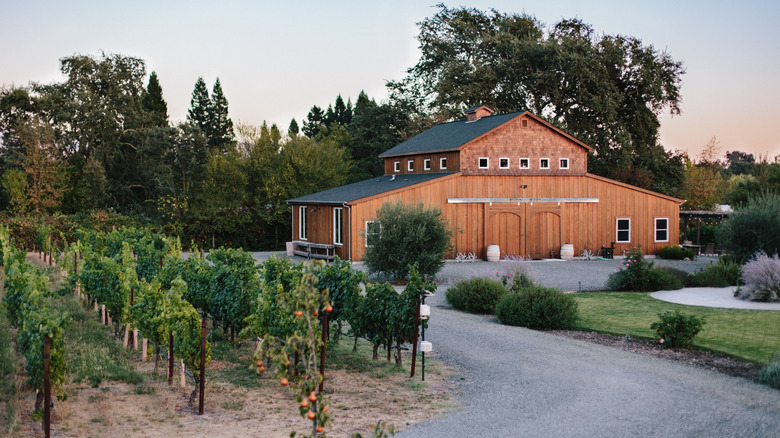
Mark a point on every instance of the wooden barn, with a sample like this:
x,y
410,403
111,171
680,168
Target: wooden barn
x,y
511,180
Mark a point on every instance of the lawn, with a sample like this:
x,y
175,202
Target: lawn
x,y
753,335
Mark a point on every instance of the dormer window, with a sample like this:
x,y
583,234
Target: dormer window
x,y
427,164
410,165
544,163
503,163
525,163
484,163
443,163
397,166
563,163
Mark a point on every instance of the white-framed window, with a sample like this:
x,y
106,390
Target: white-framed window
x,y
397,166
623,230
503,163
661,229
410,165
373,231
302,222
525,163
563,163
544,163
443,163
484,163
338,226
427,164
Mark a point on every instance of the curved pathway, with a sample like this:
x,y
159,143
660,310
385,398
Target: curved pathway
x,y
722,297
518,382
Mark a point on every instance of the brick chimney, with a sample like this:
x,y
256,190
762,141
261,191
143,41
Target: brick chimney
x,y
477,112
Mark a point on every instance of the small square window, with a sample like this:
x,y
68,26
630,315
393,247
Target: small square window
x,y
484,163
443,163
544,163
503,163
525,163
623,231
563,163
397,166
427,164
410,165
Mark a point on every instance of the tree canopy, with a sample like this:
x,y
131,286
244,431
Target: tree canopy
x,y
607,90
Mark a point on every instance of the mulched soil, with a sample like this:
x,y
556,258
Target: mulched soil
x,y
696,358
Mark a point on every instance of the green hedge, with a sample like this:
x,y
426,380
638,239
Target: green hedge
x,y
538,308
476,295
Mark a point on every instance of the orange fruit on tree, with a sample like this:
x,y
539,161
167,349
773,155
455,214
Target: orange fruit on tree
x,y
285,382
319,429
299,313
313,396
329,308
260,369
310,415
315,313
304,403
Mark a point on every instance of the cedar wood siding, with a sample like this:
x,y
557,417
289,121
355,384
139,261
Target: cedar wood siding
x,y
319,226
585,225
523,137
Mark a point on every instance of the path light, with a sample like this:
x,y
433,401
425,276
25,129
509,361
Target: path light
x,y
426,347
425,311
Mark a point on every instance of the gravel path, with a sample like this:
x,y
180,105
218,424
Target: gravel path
x,y
518,382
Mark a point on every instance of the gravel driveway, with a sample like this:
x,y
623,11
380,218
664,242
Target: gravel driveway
x,y
522,383
515,382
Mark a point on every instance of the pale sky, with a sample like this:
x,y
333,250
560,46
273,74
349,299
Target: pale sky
x,y
277,59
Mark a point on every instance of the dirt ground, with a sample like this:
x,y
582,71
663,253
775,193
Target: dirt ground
x,y
359,401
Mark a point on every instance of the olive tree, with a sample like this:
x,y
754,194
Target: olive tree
x,y
406,235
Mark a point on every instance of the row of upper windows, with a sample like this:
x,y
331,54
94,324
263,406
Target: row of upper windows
x,y
525,163
426,165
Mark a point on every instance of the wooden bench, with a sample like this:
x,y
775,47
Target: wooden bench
x,y
310,250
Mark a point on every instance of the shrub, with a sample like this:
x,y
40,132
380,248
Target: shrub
x,y
724,273
637,274
745,233
770,374
675,330
538,308
678,278
514,282
676,253
476,295
408,235
762,279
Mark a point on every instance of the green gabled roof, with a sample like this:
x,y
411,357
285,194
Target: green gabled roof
x,y
364,189
449,136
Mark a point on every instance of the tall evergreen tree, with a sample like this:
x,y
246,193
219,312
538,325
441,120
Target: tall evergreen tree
x,y
342,114
221,134
200,107
314,122
154,106
293,130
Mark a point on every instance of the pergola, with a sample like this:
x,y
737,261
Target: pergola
x,y
699,215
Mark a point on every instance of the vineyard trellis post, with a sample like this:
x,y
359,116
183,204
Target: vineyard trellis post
x,y
416,331
170,358
322,350
202,381
46,385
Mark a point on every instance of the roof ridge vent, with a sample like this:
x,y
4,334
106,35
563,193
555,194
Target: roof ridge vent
x,y
477,112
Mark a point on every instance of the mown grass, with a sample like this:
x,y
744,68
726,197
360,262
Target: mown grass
x,y
752,335
91,353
